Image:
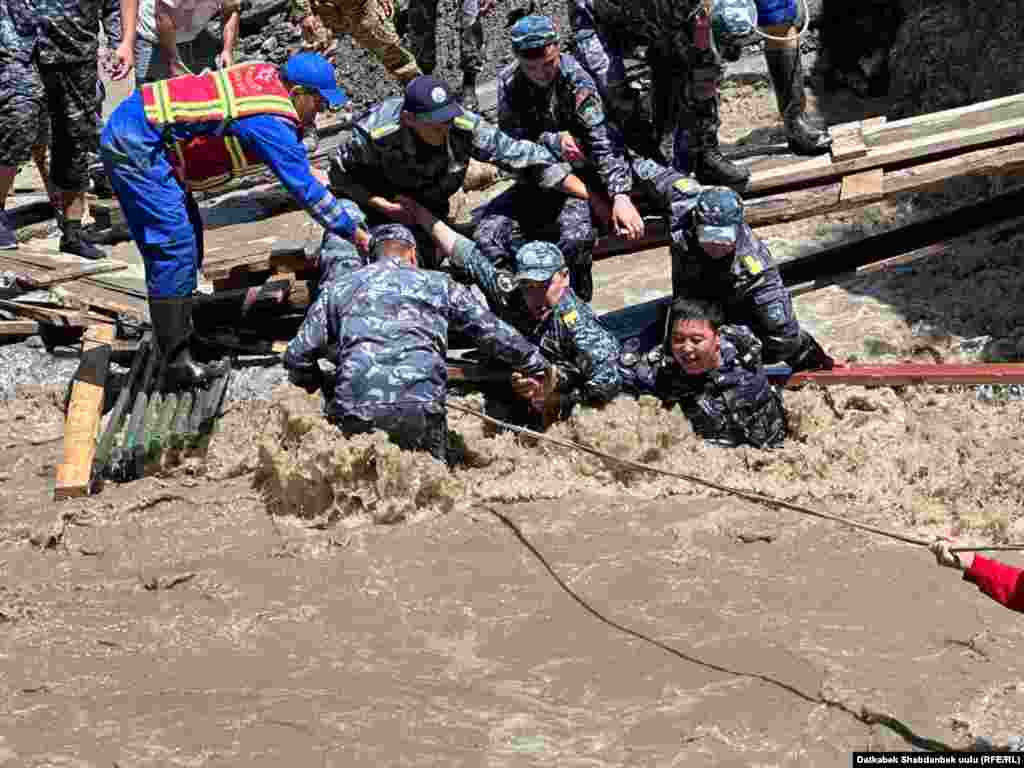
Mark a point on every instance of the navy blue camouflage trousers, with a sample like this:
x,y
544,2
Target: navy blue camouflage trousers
x,y
29,92
525,213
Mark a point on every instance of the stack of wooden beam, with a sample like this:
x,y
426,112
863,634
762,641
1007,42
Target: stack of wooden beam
x,y
146,429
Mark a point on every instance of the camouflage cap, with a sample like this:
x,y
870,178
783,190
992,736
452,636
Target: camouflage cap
x,y
538,262
718,215
387,232
533,31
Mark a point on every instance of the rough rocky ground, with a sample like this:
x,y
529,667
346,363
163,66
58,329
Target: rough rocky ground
x,y
333,603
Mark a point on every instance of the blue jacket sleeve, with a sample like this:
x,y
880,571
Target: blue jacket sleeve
x,y
277,143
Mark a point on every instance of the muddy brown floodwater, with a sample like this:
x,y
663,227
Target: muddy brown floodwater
x,y
209,618
298,599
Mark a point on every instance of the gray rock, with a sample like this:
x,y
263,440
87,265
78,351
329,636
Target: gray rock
x,y
270,44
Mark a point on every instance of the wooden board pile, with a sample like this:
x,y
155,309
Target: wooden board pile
x,y
146,430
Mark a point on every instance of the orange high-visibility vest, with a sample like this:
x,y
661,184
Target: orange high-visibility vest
x,y
209,161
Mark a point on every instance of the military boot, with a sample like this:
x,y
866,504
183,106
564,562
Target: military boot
x,y
581,279
468,97
73,241
172,327
811,356
714,168
787,73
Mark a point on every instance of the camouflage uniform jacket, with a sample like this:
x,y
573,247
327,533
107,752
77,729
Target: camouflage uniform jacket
x,y
570,336
734,404
384,157
751,265
64,31
571,103
390,322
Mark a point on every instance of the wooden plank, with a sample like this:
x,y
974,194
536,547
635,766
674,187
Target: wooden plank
x,y
69,274
84,413
847,143
963,118
862,187
848,149
872,125
89,291
16,328
822,168
67,318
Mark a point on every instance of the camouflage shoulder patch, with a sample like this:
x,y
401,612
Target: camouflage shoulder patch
x,y
384,130
466,123
570,317
753,265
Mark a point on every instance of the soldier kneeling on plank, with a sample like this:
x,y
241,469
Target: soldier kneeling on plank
x,y
714,373
388,326
723,261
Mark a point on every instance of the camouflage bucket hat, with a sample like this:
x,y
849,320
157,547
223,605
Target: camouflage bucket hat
x,y
538,262
718,215
532,32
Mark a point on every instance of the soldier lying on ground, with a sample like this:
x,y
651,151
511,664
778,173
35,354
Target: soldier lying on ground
x,y
389,323
546,96
1003,583
537,300
725,263
714,373
419,146
153,182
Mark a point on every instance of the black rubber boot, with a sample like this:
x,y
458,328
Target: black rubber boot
x,y
72,241
172,327
468,97
713,168
787,73
811,356
581,280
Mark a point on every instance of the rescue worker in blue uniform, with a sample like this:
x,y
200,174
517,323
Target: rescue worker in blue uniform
x,y
537,300
388,324
420,146
714,373
200,131
726,263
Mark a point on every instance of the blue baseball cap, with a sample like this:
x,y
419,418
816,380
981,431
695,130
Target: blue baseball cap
x,y
429,98
311,70
719,215
532,31
538,262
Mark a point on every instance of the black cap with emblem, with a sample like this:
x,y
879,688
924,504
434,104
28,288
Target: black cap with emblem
x,y
430,98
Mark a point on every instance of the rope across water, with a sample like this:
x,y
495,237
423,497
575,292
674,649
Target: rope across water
x,y
760,498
